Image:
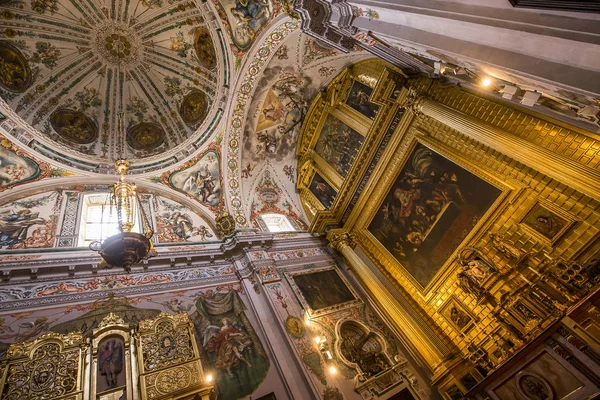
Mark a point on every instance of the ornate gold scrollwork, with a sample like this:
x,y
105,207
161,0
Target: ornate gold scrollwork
x,y
168,357
47,367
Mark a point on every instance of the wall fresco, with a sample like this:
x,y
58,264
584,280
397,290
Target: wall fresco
x,y
177,223
30,222
16,167
230,345
245,19
199,178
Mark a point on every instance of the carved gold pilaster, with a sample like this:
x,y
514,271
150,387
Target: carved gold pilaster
x,y
344,242
581,177
341,240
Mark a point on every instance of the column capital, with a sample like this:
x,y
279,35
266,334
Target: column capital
x,y
414,101
340,240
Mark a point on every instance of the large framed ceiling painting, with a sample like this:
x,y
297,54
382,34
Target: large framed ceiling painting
x,y
431,207
338,144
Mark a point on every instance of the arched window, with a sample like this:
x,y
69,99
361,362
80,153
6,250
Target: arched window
x,y
276,223
98,220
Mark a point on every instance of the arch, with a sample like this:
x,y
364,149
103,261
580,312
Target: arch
x,y
368,360
70,182
237,113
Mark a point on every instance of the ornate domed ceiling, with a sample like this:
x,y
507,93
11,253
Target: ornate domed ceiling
x,y
69,68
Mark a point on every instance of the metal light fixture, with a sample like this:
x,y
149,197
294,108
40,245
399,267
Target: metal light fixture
x,y
125,248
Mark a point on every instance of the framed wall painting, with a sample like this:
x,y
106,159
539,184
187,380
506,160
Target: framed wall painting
x,y
547,222
338,144
359,100
432,206
322,190
457,315
322,291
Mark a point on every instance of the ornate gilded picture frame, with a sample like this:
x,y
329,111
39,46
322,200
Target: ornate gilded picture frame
x,y
472,197
322,291
457,315
547,223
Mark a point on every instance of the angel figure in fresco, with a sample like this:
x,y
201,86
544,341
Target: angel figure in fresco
x,y
110,361
179,45
249,16
202,232
177,306
229,343
180,223
201,184
32,329
10,173
14,226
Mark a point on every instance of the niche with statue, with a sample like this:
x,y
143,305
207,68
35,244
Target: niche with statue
x,y
378,374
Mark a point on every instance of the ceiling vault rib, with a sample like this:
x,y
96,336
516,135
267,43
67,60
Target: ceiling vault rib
x,y
53,84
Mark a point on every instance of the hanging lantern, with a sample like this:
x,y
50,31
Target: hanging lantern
x,y
126,248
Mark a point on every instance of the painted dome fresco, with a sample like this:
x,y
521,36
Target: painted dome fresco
x,y
70,68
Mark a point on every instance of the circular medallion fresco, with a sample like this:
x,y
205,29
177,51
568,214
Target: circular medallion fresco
x,y
194,107
145,136
15,74
74,126
205,50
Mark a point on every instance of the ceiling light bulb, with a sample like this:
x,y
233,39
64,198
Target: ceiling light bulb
x,y
486,82
318,340
332,369
307,322
209,378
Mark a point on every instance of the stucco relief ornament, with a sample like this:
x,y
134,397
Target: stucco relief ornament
x,y
504,247
111,319
414,102
225,224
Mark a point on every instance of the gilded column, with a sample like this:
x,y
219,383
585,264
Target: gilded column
x,y
344,243
578,176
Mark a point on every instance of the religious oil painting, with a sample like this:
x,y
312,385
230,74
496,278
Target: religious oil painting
x,y
456,315
429,210
338,144
546,222
246,18
322,190
200,178
228,344
323,289
358,99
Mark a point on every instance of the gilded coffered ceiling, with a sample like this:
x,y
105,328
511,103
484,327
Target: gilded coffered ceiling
x,y
69,68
